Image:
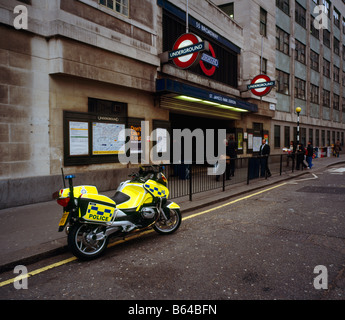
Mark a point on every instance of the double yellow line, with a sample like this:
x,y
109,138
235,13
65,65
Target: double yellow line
x,y
60,263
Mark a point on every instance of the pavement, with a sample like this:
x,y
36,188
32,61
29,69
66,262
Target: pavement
x,y
30,233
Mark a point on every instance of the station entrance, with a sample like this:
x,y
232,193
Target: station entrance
x,y
193,122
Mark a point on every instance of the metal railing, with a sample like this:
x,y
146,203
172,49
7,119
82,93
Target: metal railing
x,y
185,180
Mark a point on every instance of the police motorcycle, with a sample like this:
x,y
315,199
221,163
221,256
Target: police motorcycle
x,y
139,203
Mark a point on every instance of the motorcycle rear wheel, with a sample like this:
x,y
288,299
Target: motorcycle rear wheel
x,y
169,226
83,243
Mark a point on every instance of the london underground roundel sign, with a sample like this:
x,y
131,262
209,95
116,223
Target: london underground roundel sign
x,y
212,60
187,50
261,85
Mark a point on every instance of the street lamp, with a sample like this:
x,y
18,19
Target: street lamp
x,y
298,110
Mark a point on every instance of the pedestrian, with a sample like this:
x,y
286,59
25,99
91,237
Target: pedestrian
x,y
225,157
309,154
292,152
300,157
337,149
265,151
233,155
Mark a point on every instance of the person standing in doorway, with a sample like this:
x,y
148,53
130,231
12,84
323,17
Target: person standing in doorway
x,y
265,151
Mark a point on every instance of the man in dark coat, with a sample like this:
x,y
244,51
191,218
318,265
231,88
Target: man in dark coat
x,y
265,151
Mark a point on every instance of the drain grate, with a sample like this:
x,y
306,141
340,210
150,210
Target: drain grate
x,y
328,190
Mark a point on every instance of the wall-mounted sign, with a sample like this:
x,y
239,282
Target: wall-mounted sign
x,y
108,138
261,85
187,52
78,138
213,61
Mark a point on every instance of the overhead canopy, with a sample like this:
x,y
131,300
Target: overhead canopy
x,y
181,97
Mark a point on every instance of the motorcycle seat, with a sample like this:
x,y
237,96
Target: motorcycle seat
x,y
120,197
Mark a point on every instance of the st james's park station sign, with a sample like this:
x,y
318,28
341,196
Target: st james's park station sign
x,y
189,50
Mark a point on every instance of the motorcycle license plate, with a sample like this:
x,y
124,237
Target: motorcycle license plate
x,y
63,219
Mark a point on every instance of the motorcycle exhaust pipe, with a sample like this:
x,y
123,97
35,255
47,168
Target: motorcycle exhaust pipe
x,y
115,227
127,226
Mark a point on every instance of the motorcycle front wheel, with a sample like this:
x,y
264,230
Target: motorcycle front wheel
x,y
86,241
169,226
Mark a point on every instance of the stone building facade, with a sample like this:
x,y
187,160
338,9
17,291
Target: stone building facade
x,y
71,52
309,66
84,68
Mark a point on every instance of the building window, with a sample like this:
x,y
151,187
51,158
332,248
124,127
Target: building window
x,y
264,66
344,80
283,80
314,32
336,18
314,61
311,136
326,38
277,136
326,97
326,68
299,88
323,138
300,52
328,138
303,132
314,94
287,136
336,72
283,5
173,27
317,137
336,46
282,41
120,6
343,25
300,15
336,102
263,22
228,9
327,6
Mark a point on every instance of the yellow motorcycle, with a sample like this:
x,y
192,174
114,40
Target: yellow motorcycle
x,y
138,204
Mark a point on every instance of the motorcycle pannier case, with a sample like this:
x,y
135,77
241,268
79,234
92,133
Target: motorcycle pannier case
x,y
97,208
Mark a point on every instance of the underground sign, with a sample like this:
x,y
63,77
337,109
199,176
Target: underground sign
x,y
261,85
210,60
186,50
